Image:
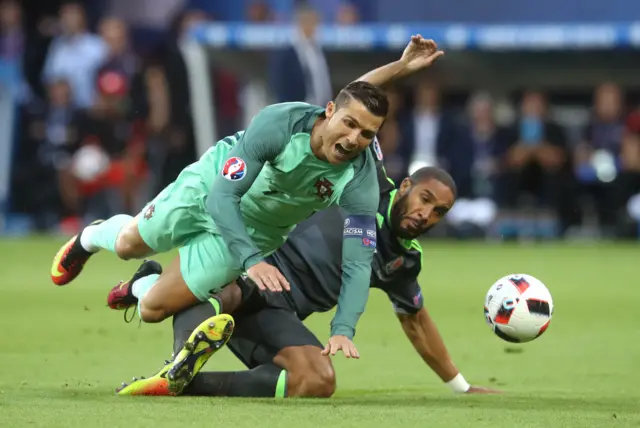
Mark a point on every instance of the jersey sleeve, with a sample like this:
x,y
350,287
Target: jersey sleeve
x,y
406,298
263,140
359,201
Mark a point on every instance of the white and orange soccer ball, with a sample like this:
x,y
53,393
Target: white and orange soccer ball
x,y
518,308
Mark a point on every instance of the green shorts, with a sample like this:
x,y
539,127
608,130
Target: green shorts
x,y
177,218
207,266
174,217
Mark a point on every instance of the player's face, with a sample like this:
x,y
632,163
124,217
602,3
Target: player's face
x,y
419,207
349,130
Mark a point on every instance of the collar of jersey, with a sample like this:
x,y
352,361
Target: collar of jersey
x,y
311,120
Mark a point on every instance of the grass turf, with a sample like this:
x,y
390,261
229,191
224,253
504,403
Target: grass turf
x,y
62,352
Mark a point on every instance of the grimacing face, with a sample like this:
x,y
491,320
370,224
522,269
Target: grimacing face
x,y
419,206
348,131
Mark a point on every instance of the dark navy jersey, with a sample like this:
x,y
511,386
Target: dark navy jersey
x,y
312,255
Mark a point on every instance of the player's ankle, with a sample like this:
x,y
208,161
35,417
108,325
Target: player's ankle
x,y
86,239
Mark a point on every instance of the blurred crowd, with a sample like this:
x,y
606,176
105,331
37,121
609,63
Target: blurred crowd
x,y
519,172
103,128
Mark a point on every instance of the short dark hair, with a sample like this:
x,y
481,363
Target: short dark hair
x,y
371,96
435,173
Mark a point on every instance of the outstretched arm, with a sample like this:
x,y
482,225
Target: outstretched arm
x,y
423,334
408,303
419,54
360,202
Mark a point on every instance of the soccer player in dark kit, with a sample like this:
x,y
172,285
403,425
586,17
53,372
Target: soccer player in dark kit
x,y
283,356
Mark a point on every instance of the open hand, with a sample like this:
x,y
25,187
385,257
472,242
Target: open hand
x,y
420,53
341,343
268,277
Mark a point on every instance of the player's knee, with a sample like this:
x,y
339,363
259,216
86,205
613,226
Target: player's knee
x,y
317,383
152,314
323,383
129,244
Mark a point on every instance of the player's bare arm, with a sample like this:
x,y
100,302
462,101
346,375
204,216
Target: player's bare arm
x,y
419,54
425,338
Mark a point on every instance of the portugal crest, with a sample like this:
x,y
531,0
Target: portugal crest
x,y
324,188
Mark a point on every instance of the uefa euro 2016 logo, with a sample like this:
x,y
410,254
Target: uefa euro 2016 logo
x,y
234,169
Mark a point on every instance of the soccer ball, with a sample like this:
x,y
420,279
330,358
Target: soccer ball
x,y
518,308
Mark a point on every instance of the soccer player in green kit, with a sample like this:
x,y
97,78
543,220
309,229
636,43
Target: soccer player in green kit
x,y
238,203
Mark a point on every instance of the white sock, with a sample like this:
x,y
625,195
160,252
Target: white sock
x,y
142,286
136,289
86,239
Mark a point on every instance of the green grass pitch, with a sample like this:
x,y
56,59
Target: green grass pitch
x,y
62,352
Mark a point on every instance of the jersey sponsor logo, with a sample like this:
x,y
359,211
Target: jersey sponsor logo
x,y
371,233
371,243
353,231
234,169
324,188
377,149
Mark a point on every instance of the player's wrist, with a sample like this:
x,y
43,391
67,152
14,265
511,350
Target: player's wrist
x,y
342,330
252,261
402,68
459,384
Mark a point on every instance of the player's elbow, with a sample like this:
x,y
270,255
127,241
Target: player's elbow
x,y
216,204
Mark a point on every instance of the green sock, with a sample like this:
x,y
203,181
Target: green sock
x,y
217,306
104,235
281,386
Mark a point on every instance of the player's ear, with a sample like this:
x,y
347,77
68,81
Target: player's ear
x,y
405,186
330,109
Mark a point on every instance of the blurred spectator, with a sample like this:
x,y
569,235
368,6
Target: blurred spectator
x,y
12,35
347,14
427,129
628,181
27,48
300,73
259,11
595,156
472,157
254,94
157,118
390,137
535,165
75,55
109,165
119,56
181,147
49,138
